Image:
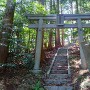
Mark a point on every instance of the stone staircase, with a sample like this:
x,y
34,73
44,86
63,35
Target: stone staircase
x,y
59,77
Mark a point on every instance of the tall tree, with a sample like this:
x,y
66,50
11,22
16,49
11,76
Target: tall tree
x,y
61,3
6,30
57,43
51,31
77,10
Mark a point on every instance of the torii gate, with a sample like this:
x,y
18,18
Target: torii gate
x,y
58,23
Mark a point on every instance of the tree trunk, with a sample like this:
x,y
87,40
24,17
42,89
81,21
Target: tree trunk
x,y
77,11
51,31
57,41
6,30
62,30
62,37
43,57
72,21
50,40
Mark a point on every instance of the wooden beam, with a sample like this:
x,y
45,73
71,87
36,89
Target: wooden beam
x,y
45,18
75,18
76,15
54,17
59,26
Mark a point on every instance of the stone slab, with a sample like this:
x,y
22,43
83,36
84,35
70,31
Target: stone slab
x,y
58,87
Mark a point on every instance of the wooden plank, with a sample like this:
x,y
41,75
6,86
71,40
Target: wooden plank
x,y
34,15
45,18
54,18
69,15
85,25
66,16
52,15
49,26
75,18
59,26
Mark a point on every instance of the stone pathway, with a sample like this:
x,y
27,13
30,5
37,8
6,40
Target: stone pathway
x,y
59,77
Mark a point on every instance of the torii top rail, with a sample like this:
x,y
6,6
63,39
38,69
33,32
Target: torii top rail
x,y
59,20
78,21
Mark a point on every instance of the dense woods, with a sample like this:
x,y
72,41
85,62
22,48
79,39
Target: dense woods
x,y
18,41
21,36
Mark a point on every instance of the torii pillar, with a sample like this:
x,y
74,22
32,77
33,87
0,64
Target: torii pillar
x,y
38,47
80,36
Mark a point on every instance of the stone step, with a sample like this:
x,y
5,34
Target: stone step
x,y
59,76
58,87
61,54
61,58
57,81
59,72
62,51
60,64
61,61
60,68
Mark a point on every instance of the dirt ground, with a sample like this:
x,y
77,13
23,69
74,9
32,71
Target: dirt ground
x,y
26,80
80,77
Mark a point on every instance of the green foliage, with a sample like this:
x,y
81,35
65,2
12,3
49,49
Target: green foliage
x,y
33,8
36,8
28,61
2,4
19,47
38,86
25,60
80,78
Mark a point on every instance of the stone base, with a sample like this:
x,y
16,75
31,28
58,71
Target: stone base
x,y
36,71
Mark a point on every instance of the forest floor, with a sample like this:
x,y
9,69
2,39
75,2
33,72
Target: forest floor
x,y
26,80
23,79
80,77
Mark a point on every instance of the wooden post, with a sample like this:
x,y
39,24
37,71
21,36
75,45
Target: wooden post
x,y
38,47
80,36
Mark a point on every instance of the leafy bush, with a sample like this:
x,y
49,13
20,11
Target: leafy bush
x,y
38,86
